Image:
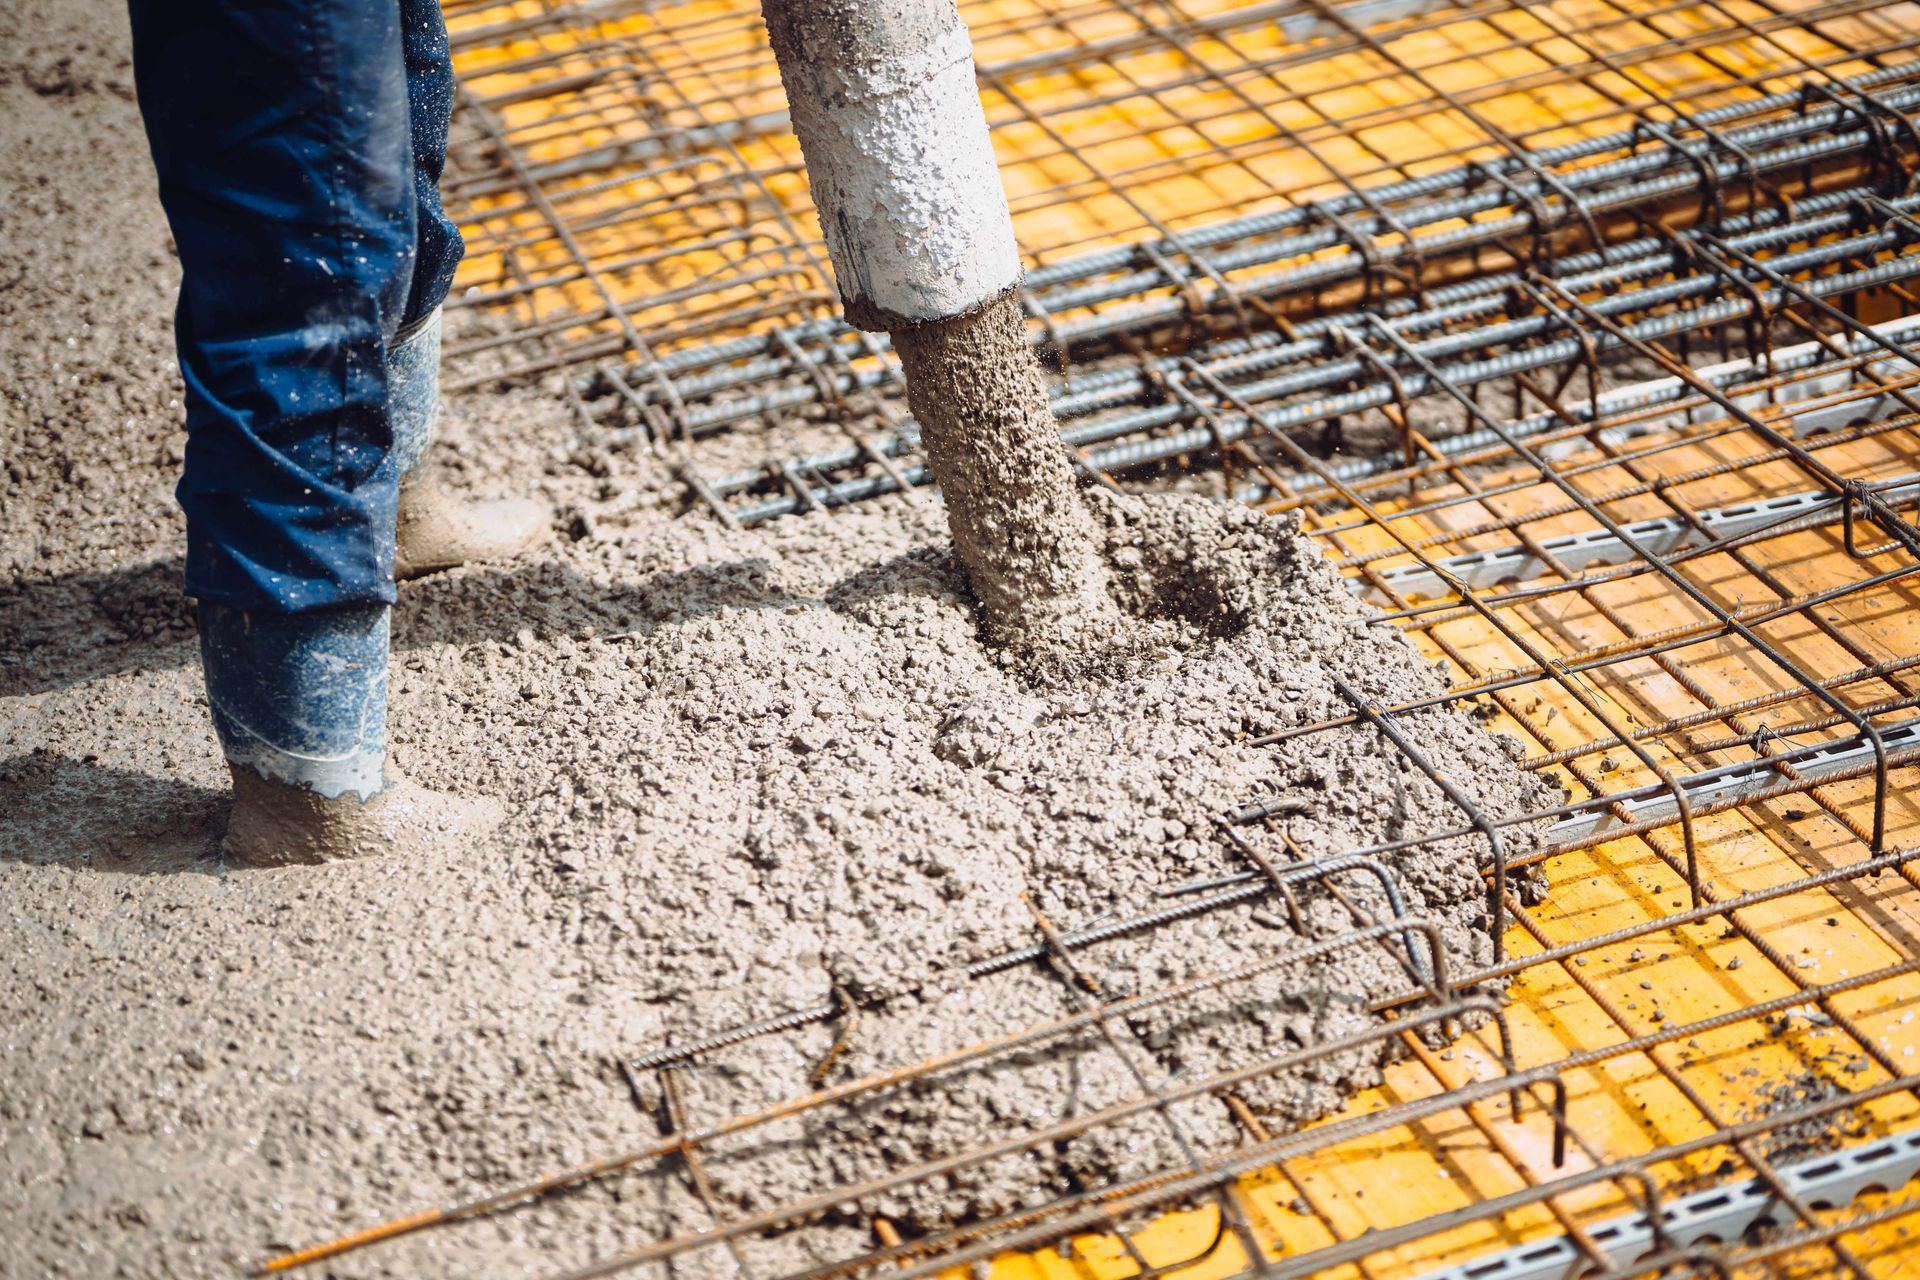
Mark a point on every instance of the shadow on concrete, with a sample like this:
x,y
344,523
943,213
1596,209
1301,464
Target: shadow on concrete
x,y
74,628
59,632
60,811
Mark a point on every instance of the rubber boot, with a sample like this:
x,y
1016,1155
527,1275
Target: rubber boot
x,y
434,530
300,704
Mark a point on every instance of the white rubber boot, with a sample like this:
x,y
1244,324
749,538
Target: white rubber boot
x,y
300,705
434,530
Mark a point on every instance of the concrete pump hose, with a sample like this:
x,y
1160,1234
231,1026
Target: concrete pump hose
x,y
883,98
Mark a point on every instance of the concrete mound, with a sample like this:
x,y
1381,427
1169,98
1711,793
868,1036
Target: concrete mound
x,y
1116,782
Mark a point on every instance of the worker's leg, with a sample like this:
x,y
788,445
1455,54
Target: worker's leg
x,y
280,130
436,531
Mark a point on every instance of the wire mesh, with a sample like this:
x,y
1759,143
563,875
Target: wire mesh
x,y
1484,333
1584,338
632,193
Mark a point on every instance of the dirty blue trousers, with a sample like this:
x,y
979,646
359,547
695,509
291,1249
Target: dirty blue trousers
x,y
299,146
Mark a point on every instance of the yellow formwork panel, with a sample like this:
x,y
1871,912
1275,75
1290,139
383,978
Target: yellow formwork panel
x,y
1675,976
659,179
1676,1092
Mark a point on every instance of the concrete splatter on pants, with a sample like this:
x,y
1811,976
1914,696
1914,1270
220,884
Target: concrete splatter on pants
x,y
302,697
299,145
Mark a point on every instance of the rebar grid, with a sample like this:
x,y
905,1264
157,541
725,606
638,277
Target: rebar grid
x,y
1144,414
1628,313
631,191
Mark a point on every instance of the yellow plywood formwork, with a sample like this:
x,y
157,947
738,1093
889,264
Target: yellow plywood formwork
x,y
655,197
1769,1041
1678,976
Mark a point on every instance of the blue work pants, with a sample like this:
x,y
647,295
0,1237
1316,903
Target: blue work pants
x,y
299,146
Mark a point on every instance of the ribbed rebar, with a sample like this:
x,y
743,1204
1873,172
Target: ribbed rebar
x,y
764,356
1233,359
1101,456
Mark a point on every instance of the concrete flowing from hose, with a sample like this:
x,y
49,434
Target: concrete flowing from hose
x,y
903,172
